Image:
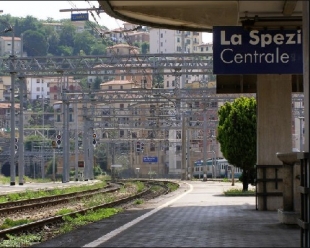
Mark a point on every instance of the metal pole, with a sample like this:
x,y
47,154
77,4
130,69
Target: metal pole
x,y
64,167
76,145
184,171
12,152
305,42
188,167
42,144
205,176
67,143
54,178
85,143
21,165
300,133
158,148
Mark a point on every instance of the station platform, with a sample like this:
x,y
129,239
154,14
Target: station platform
x,y
7,188
195,215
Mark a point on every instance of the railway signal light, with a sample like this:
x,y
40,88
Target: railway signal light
x,y
16,146
58,141
142,146
94,139
138,146
54,144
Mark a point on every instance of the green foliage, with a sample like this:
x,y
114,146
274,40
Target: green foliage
x,y
173,186
140,186
63,211
237,133
8,223
29,194
239,192
35,43
89,217
20,241
49,169
97,170
34,140
138,201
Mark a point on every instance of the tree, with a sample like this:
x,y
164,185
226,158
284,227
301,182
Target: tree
x,y
83,41
98,49
67,34
145,48
35,43
236,134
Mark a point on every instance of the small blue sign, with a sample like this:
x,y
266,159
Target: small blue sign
x,y
240,51
79,17
150,159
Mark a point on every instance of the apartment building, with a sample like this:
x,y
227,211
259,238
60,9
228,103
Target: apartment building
x,y
138,36
174,41
6,46
57,26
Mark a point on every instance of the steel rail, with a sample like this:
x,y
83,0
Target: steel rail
x,y
39,224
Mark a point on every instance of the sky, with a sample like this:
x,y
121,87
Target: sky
x,y
44,9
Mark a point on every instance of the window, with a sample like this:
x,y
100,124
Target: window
x,y
178,164
161,36
58,118
38,81
178,39
70,118
161,44
110,87
121,133
152,147
151,134
178,135
121,106
38,89
167,84
173,83
121,87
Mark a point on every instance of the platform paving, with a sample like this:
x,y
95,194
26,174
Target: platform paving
x,y
196,215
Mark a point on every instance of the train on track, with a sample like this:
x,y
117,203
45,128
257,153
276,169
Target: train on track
x,y
215,168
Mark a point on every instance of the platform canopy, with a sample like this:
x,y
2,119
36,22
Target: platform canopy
x,y
203,15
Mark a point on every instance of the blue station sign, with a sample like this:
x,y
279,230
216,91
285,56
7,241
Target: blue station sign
x,y
149,159
240,51
79,17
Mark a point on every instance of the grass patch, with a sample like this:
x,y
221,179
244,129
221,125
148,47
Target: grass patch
x,y
31,194
239,192
64,211
140,186
173,186
9,223
70,224
138,201
20,241
91,216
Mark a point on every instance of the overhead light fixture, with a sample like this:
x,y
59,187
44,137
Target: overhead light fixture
x,y
291,22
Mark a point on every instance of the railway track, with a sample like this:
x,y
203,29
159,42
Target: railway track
x,y
47,201
39,225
